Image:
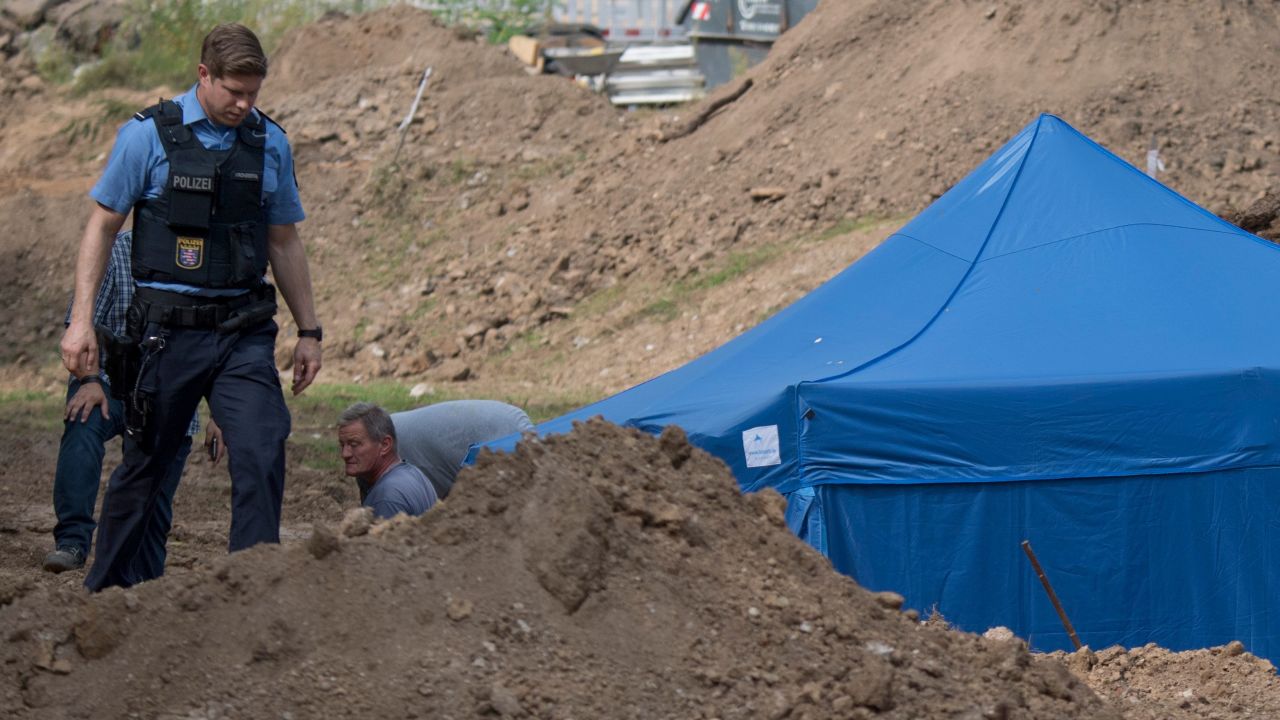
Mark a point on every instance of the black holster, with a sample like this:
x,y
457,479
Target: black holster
x,y
122,359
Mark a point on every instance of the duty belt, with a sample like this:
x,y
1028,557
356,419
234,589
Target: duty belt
x,y
172,309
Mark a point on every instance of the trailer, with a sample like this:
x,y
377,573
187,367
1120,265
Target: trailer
x,y
730,36
657,51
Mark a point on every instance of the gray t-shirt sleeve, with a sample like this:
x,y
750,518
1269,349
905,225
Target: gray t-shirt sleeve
x,y
436,437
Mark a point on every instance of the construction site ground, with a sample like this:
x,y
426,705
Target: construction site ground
x,y
526,241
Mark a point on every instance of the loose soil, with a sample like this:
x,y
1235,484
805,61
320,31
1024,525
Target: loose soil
x,y
530,242
606,573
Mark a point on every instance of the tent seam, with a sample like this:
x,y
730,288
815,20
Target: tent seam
x,y
1053,477
1130,167
928,245
1113,227
1004,204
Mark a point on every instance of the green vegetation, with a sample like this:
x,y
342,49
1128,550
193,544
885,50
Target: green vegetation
x,y
667,305
528,341
600,301
111,113
387,188
542,409
52,61
159,39
320,405
422,310
851,225
316,450
739,63
498,24
737,264
662,310
667,302
34,410
461,170
559,166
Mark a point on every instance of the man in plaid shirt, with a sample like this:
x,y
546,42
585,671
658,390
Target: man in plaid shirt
x,y
93,417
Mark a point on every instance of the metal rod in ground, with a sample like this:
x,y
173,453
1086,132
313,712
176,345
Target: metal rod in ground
x,y
408,119
1053,597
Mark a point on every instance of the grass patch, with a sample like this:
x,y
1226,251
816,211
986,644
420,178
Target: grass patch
x,y
110,115
316,453
158,42
34,410
460,170
527,341
422,309
852,225
548,408
667,306
559,166
323,403
498,22
320,406
662,310
737,265
600,301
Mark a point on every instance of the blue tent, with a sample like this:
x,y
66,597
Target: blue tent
x,y
1061,350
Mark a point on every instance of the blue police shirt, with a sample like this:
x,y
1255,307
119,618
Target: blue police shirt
x,y
138,168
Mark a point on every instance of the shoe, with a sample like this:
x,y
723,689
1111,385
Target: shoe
x,y
67,557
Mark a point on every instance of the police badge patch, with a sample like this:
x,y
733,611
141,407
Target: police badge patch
x,y
190,253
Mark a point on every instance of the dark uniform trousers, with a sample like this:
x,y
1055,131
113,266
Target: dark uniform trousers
x,y
236,372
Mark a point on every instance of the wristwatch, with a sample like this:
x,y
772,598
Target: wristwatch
x,y
89,380
317,332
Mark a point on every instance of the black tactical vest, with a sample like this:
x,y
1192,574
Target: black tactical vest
x,y
208,228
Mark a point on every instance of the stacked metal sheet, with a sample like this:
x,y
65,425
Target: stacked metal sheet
x,y
655,75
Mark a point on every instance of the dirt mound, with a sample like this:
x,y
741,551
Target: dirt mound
x,y
877,107
607,573
912,95
1152,683
524,217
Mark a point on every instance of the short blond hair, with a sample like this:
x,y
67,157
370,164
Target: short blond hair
x,y
233,49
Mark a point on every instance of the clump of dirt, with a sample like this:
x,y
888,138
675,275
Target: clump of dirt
x,y
606,573
1152,683
1261,218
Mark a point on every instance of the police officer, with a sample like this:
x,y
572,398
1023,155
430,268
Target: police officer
x,y
210,182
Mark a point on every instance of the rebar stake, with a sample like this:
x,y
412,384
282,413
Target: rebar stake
x,y
1053,597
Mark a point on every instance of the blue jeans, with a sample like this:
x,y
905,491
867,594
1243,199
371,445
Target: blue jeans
x,y
79,470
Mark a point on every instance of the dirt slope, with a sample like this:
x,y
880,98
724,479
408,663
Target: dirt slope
x,y
604,574
529,230
534,240
864,109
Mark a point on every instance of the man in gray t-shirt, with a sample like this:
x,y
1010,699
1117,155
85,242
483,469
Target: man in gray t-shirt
x,y
401,489
436,437
389,485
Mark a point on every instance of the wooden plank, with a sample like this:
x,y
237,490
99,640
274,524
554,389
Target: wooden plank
x,y
526,49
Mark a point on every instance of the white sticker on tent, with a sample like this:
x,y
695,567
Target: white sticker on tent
x,y
760,445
